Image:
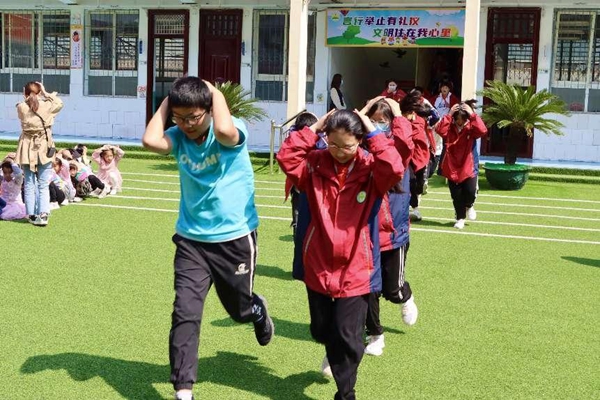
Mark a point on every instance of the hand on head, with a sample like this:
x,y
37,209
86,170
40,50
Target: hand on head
x,y
366,121
319,126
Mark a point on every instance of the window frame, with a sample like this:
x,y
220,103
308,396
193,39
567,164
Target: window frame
x,y
283,77
113,72
37,47
593,38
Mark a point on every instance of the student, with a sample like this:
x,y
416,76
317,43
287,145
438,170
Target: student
x,y
344,186
36,151
393,229
108,158
85,182
335,94
303,120
392,91
216,228
460,129
11,204
415,111
442,102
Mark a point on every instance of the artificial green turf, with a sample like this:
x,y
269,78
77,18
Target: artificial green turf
x,y
87,301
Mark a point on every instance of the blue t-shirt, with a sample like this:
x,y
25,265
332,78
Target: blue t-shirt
x,y
217,187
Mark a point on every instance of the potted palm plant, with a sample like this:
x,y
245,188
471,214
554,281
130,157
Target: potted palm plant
x,y
522,111
240,104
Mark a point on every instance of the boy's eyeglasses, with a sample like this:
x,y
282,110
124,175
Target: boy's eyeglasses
x,y
188,120
345,149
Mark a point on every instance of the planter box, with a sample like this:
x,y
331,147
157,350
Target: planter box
x,y
506,177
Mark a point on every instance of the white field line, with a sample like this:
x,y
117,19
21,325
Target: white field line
x,y
516,213
524,205
522,197
161,210
435,218
154,182
177,191
414,229
177,176
523,225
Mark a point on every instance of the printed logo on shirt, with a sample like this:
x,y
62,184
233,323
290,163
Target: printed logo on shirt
x,y
199,166
242,269
361,196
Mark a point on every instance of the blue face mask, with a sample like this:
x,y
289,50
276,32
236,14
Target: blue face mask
x,y
382,126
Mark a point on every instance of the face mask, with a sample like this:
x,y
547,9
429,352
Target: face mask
x,y
392,88
382,126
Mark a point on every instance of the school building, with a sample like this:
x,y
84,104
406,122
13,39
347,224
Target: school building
x,y
113,61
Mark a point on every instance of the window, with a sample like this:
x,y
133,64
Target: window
x,y
270,52
112,56
576,73
24,57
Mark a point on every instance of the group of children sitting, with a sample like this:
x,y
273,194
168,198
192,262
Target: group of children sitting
x,y
72,179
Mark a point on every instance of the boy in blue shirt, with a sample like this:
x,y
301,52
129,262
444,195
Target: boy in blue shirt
x,y
216,229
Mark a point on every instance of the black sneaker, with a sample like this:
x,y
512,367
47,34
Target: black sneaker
x,y
263,326
32,219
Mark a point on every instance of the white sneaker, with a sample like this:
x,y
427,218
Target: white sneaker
x,y
326,368
76,200
416,214
96,192
410,311
459,224
54,206
375,345
471,214
65,202
104,192
113,191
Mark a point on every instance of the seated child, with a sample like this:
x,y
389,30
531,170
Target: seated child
x,y
61,169
108,158
85,182
11,202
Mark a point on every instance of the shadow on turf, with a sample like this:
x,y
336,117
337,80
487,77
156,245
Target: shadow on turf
x,y
134,379
283,328
171,166
273,272
431,222
583,261
286,238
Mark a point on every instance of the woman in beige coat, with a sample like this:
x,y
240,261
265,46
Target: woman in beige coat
x,y
34,152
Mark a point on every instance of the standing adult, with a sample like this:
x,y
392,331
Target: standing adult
x,y
35,152
335,94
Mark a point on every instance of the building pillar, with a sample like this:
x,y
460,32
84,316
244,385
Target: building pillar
x,y
471,49
298,39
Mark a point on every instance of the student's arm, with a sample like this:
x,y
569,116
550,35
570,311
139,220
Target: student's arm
x,y
443,127
225,131
17,174
387,164
96,155
478,128
154,138
401,133
335,99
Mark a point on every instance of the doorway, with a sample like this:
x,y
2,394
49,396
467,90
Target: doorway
x,y
511,57
168,42
220,45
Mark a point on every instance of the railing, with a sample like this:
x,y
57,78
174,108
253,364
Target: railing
x,y
281,137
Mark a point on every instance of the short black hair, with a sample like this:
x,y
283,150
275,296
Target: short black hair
x,y
190,91
303,120
7,165
346,120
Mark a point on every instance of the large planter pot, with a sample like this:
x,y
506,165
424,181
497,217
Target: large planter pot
x,y
506,177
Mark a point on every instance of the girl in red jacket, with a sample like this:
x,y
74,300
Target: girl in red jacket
x,y
344,185
460,129
393,227
392,91
415,111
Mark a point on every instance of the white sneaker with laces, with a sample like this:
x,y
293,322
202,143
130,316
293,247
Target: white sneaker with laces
x,y
96,192
410,312
459,224
54,206
416,214
104,192
326,368
375,345
471,214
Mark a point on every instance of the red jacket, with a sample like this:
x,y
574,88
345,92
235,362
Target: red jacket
x,y
458,164
398,95
339,252
420,156
401,132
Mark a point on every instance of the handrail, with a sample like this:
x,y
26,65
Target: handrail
x,y
272,140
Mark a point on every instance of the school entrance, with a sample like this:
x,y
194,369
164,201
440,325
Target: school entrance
x,y
219,53
511,57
